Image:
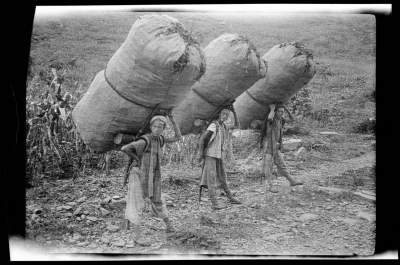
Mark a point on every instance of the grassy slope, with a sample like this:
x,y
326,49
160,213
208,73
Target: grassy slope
x,y
343,47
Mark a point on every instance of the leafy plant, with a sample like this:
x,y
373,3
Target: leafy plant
x,y
300,103
53,145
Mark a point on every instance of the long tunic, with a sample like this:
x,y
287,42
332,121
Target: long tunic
x,y
273,136
272,139
216,146
228,156
145,182
214,174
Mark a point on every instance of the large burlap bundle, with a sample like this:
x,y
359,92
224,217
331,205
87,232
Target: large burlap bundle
x,y
290,67
233,65
156,65
157,62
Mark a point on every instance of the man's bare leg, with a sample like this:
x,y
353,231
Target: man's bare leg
x,y
268,173
282,170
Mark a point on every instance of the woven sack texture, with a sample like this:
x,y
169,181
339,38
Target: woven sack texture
x,y
233,65
156,65
290,67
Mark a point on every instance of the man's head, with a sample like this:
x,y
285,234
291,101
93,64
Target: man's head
x,y
67,97
279,110
157,125
224,115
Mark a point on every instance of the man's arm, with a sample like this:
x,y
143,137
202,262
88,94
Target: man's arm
x,y
132,150
280,135
129,149
267,123
229,125
236,125
123,139
178,135
203,143
127,169
135,149
271,112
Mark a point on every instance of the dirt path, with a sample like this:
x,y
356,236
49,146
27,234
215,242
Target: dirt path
x,y
305,220
309,220
331,169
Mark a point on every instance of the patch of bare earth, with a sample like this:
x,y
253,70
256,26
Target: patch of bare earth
x,y
333,213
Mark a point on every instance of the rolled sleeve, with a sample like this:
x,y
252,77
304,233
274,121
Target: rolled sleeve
x,y
135,147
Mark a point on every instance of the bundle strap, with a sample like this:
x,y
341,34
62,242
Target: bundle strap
x,y
256,100
204,98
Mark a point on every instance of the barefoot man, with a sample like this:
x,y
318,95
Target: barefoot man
x,y
271,143
144,190
211,154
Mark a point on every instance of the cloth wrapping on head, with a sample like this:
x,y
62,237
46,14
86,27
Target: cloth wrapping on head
x,y
225,110
145,181
159,117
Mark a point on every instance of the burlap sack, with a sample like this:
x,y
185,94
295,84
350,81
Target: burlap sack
x,y
157,64
233,65
290,67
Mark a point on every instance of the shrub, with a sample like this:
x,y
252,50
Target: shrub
x,y
366,126
300,103
371,96
53,146
326,116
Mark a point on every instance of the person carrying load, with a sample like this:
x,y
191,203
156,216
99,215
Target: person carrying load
x,y
271,144
144,188
211,146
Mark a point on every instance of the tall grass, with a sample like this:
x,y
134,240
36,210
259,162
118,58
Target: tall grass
x,y
53,145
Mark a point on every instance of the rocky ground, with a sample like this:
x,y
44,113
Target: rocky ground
x,y
333,213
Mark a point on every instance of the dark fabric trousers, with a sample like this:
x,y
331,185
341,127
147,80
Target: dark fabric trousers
x,y
214,176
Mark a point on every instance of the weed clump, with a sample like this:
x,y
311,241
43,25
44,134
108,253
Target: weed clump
x,y
53,146
300,103
365,127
